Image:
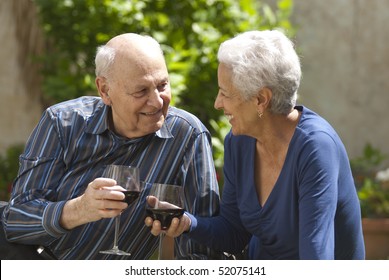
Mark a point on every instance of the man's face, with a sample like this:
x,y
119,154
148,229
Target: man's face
x,y
139,94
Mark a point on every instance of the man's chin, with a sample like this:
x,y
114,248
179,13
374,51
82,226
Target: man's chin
x,y
155,127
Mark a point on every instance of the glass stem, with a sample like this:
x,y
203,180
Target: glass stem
x,y
161,236
117,226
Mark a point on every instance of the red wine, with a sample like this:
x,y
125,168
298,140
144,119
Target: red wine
x,y
130,196
165,216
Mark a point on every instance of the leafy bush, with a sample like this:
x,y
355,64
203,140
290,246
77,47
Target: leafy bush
x,y
9,166
372,183
190,33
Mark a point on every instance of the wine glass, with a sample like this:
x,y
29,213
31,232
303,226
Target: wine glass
x,y
128,178
164,203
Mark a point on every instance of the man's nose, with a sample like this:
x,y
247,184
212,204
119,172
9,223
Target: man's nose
x,y
155,99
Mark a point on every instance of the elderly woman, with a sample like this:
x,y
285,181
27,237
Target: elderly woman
x,y
289,191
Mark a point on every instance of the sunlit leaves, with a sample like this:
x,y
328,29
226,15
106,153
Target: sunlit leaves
x,y
190,33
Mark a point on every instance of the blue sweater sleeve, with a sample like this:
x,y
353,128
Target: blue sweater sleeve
x,y
318,191
224,232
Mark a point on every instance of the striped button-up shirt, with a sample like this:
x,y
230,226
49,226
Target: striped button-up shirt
x,y
70,147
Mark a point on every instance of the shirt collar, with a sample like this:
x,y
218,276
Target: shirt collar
x,y
98,122
164,132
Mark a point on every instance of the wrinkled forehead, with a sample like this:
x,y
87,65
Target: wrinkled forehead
x,y
142,61
141,71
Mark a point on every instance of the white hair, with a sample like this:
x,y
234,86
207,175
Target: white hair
x,y
105,57
261,59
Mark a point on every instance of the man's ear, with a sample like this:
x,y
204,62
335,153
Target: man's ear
x,y
103,89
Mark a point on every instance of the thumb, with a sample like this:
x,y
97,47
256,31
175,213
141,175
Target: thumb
x,y
152,201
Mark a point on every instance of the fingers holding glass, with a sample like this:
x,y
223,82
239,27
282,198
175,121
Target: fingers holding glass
x,y
164,203
127,178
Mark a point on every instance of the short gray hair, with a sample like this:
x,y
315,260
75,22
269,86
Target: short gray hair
x,y
261,59
105,57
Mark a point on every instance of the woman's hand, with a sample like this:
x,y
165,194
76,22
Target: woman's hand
x,y
177,226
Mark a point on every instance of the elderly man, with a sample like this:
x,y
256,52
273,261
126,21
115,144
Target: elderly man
x,y
59,199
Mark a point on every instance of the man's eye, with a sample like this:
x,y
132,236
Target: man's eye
x,y
162,87
139,93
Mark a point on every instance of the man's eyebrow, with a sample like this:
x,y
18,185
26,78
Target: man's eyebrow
x,y
139,87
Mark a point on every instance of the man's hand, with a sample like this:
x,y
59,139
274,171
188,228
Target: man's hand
x,y
102,199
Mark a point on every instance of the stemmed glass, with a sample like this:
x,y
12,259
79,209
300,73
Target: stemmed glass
x,y
164,203
128,178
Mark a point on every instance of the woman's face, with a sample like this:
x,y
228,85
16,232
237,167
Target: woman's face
x,y
241,114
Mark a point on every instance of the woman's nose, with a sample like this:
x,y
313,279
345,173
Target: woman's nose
x,y
217,104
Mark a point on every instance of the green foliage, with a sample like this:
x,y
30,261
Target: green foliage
x,y
9,166
374,199
220,128
373,190
190,33
371,158
367,164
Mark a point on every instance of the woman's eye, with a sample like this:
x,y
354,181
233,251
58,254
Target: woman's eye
x,y
222,93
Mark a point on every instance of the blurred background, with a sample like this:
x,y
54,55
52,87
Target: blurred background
x,y
48,47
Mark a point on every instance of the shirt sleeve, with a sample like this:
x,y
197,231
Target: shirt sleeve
x,y
31,216
318,193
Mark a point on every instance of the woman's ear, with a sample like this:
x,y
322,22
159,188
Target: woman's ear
x,y
103,89
263,98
